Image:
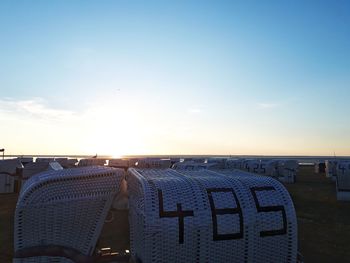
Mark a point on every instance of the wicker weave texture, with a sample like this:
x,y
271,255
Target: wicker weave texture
x,y
207,216
65,208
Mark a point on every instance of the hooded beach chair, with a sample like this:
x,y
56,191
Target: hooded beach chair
x,y
35,168
119,163
331,169
10,171
92,162
343,181
191,165
207,216
287,170
60,214
153,163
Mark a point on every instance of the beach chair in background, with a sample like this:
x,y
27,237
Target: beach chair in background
x,y
119,163
25,160
91,162
174,160
45,160
287,170
37,167
207,216
67,162
320,167
331,169
233,163
220,163
343,181
268,168
252,166
199,160
133,162
342,168
10,173
153,163
191,165
60,214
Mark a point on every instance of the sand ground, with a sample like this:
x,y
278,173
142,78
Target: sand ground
x,y
323,222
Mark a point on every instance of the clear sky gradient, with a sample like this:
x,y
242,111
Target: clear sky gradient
x,y
175,77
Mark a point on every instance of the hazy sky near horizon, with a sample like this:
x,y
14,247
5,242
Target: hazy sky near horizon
x,y
175,77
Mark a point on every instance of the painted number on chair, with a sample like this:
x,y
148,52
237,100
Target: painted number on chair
x,y
269,209
224,211
233,211
179,213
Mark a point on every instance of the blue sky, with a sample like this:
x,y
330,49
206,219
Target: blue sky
x,y
175,77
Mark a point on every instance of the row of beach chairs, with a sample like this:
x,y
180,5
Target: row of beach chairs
x,y
175,215
283,170
338,170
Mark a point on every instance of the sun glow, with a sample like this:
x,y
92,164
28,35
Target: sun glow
x,y
115,129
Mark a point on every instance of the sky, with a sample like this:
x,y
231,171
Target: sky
x,y
175,77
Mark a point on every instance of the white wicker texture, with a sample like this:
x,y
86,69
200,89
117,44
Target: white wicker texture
x,y
210,217
64,208
274,235
155,238
270,193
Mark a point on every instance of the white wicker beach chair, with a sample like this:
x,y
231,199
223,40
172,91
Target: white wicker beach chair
x,y
59,214
252,166
319,167
25,160
220,162
133,161
232,163
34,168
46,160
287,170
199,160
191,166
119,163
153,163
343,168
206,216
268,167
331,169
92,162
10,170
67,163
343,181
175,160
